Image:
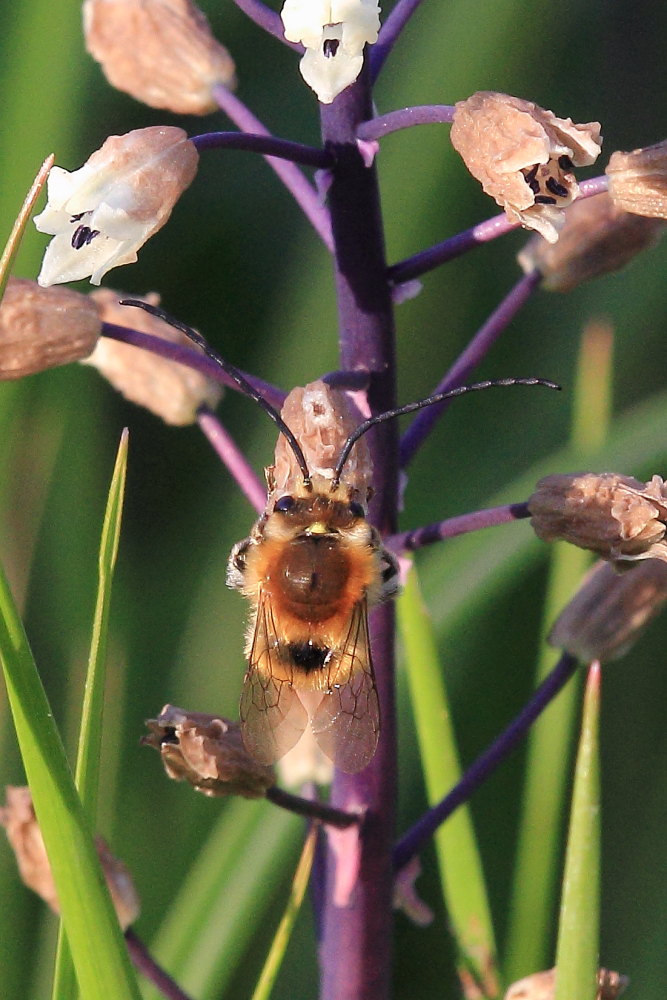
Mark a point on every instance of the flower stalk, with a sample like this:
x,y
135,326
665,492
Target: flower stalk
x,y
362,930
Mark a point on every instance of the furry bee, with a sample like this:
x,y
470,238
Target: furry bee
x,y
311,568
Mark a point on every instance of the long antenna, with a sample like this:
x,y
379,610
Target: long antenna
x,y
233,373
419,405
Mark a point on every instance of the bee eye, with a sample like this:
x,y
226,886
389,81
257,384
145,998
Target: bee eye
x,y
356,510
284,504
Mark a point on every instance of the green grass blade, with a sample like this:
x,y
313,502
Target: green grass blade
x,y
459,861
90,736
22,219
226,897
529,942
578,934
90,739
97,944
286,925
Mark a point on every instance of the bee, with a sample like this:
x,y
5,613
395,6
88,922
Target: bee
x,y
312,568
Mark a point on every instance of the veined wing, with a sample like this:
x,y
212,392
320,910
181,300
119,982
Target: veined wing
x,y
347,721
272,716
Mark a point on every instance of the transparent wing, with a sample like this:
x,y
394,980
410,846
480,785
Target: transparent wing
x,y
347,721
272,716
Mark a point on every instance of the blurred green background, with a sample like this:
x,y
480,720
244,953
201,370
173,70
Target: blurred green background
x,y
238,262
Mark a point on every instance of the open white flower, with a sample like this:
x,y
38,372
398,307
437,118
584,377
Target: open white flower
x,y
102,213
334,33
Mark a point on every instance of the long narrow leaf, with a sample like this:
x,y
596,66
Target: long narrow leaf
x,y
92,928
18,229
578,934
90,736
459,861
90,739
544,806
286,925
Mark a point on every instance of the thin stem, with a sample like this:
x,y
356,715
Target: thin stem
x,y
393,121
483,232
284,149
146,964
233,458
312,809
419,835
389,33
267,19
417,538
299,187
476,350
190,358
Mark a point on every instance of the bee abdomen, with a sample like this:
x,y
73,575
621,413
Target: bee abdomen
x,y
307,656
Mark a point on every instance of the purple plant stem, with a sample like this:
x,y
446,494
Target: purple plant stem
x,y
299,187
393,121
455,246
267,19
146,964
389,33
355,949
233,458
419,835
191,358
312,809
417,538
251,142
483,232
476,350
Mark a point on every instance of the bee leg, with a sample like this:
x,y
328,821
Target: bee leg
x,y
237,563
389,576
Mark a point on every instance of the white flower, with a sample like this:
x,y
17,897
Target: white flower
x,y
334,33
102,213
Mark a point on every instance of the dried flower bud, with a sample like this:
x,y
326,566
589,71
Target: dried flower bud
x,y
208,752
44,327
597,238
609,611
523,156
101,214
638,180
616,516
24,835
322,419
171,391
334,33
161,52
542,985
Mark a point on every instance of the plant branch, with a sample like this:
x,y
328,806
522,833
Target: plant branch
x,y
299,187
313,809
390,32
148,967
267,19
233,458
393,121
251,142
476,350
417,538
419,835
191,358
483,232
